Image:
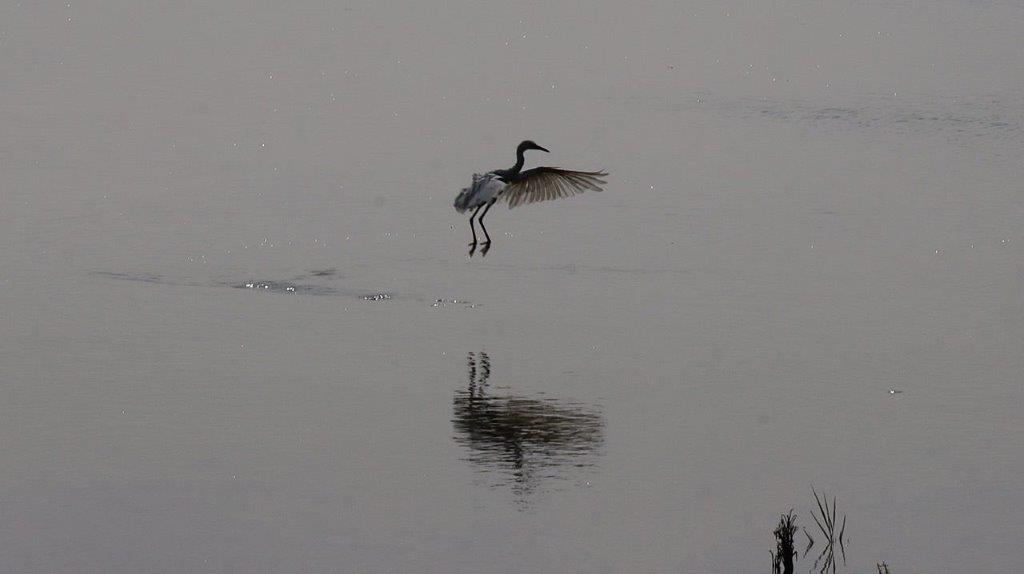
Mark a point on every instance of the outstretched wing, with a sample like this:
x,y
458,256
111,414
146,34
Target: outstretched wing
x,y
544,183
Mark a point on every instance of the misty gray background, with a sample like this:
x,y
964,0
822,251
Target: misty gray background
x,y
809,204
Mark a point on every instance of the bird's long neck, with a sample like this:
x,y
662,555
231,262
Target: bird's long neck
x,y
520,160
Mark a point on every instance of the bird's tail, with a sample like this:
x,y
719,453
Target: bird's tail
x,y
465,199
462,200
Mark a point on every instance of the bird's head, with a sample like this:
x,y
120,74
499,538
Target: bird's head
x,y
529,144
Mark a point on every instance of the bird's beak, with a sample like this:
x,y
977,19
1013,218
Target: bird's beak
x,y
543,149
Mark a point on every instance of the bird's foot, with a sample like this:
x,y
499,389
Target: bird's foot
x,y
472,248
485,249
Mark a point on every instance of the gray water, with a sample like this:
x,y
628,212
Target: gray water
x,y
239,331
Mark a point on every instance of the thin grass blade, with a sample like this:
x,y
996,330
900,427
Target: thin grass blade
x,y
833,525
842,546
821,508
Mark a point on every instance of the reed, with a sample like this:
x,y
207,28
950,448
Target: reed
x,y
826,519
785,553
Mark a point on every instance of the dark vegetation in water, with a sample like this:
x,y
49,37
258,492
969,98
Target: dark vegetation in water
x,y
826,522
832,529
785,553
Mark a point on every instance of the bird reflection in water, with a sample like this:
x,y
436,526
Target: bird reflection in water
x,y
522,440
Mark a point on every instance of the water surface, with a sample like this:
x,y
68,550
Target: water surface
x,y
240,332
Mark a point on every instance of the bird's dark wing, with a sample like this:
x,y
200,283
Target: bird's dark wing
x,y
544,183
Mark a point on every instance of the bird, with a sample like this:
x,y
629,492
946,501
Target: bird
x,y
519,187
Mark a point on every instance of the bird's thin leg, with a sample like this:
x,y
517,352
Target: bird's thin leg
x,y
487,244
473,229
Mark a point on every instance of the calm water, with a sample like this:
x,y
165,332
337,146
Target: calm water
x,y
239,331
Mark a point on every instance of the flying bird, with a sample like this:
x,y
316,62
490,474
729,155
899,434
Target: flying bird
x,y
519,187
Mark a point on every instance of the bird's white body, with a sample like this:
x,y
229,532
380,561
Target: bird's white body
x,y
485,187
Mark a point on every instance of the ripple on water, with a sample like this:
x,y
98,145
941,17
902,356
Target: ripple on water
x,y
446,303
139,277
377,297
286,287
294,285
